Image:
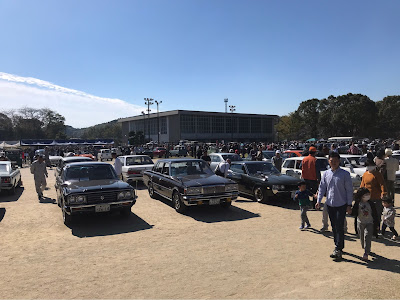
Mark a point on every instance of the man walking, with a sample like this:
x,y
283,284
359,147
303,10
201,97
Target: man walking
x,y
336,184
39,171
392,165
309,170
277,160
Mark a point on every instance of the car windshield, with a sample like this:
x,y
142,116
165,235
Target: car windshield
x,y
76,160
185,168
4,167
139,160
265,168
232,157
268,154
90,172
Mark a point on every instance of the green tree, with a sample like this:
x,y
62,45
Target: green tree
x,y
308,114
6,128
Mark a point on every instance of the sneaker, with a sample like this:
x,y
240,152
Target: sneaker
x,y
301,227
365,257
336,254
307,226
323,229
394,238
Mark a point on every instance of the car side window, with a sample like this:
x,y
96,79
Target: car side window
x,y
165,169
289,164
159,167
237,169
215,158
298,164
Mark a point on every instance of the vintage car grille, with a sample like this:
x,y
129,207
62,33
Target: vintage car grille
x,y
214,189
102,197
291,187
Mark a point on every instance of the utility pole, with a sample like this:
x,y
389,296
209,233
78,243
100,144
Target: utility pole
x,y
158,123
144,126
226,104
232,108
148,102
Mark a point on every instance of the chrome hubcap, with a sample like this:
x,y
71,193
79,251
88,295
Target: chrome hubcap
x,y
177,202
258,193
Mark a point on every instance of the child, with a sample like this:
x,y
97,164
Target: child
x,y
303,196
366,217
388,217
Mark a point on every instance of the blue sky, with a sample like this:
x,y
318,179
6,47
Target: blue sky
x,y
265,56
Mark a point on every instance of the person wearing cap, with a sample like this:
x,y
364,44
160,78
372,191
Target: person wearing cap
x,y
373,180
392,165
277,160
309,170
39,171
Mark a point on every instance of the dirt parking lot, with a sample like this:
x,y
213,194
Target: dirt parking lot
x,y
251,250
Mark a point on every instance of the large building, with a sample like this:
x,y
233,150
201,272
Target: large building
x,y
201,126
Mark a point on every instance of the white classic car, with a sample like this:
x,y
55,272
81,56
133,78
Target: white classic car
x,y
10,177
133,166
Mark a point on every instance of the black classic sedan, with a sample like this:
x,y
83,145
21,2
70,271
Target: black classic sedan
x,y
262,180
189,182
92,187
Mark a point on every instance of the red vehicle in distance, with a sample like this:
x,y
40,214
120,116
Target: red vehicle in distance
x,y
159,151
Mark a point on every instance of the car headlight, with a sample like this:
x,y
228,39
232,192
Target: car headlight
x,y
71,199
80,199
231,187
128,195
193,190
121,195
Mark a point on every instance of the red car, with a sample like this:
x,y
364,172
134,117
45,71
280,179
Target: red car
x,y
87,155
160,152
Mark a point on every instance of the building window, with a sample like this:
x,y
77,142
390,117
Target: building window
x,y
163,125
203,124
188,123
231,124
267,126
256,125
218,125
244,125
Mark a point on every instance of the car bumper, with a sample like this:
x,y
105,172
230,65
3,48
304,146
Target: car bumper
x,y
7,186
192,200
133,178
91,208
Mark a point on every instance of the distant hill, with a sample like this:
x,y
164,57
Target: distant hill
x,y
110,130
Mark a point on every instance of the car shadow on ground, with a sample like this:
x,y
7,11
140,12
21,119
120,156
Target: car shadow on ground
x,y
107,224
6,197
2,213
214,214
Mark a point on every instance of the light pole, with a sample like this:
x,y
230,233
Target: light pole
x,y
158,123
232,108
148,102
144,124
226,103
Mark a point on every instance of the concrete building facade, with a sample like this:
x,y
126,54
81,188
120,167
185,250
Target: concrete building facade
x,y
202,126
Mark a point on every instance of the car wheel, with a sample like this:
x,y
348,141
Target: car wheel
x,y
66,217
126,211
19,184
151,190
179,206
226,204
260,195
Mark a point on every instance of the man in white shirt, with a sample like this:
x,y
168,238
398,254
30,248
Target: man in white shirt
x,y
223,167
117,165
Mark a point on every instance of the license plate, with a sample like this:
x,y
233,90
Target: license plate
x,y
102,208
214,201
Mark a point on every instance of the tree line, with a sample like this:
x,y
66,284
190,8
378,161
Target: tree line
x,y
345,115
44,123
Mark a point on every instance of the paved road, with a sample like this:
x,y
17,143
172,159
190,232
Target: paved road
x,y
249,251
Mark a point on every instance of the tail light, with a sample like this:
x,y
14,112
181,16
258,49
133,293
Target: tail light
x,y
5,179
133,172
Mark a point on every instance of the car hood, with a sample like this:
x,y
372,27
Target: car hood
x,y
278,178
94,185
203,179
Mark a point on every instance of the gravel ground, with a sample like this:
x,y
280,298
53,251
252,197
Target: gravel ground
x,y
248,251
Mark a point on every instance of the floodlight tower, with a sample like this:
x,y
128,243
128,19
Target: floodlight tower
x,y
226,105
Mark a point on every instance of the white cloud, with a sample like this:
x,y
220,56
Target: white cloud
x,y
79,108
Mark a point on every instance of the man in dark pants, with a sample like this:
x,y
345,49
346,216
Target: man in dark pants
x,y
337,185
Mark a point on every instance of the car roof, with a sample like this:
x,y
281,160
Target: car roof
x,y
76,157
302,157
138,155
250,162
225,153
179,159
87,163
